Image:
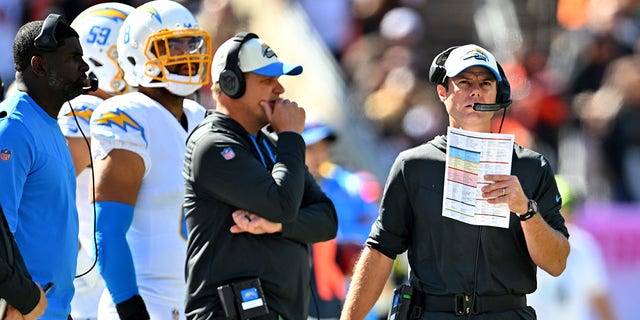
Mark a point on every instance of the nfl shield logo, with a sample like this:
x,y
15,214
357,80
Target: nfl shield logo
x,y
5,154
228,153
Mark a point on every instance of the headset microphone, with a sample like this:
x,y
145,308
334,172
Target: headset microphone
x,y
93,84
490,107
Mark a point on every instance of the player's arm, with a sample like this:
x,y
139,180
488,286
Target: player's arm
x,y
371,274
79,153
118,179
74,128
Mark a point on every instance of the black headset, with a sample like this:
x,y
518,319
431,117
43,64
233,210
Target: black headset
x,y
231,79
438,75
46,40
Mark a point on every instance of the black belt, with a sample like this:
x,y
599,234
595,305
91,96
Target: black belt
x,y
464,304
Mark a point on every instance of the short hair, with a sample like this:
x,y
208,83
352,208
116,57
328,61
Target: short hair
x,y
217,91
24,43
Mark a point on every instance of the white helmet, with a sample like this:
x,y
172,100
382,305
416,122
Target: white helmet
x,y
146,47
98,27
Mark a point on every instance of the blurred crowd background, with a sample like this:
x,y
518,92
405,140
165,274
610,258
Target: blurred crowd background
x,y
573,65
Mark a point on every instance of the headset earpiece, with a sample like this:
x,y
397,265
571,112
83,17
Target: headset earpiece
x,y
231,81
437,72
504,88
46,40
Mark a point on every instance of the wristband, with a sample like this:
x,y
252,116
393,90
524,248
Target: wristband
x,y
531,211
132,309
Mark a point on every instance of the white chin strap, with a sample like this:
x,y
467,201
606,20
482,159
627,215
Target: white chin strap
x,y
182,89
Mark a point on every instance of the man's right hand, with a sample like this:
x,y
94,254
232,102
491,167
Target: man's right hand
x,y
285,115
254,224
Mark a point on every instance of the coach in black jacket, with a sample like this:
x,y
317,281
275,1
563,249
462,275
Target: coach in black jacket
x,y
251,206
16,287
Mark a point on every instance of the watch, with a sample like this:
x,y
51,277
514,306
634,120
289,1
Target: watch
x,y
531,211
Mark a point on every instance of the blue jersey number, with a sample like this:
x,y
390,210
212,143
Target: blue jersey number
x,y
99,35
127,34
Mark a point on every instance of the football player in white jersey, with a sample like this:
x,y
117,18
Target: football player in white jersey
x,y
98,27
138,145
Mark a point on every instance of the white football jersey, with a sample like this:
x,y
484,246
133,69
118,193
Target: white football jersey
x,y
83,107
139,124
89,287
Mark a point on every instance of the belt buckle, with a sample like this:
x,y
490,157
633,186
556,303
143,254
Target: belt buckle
x,y
462,304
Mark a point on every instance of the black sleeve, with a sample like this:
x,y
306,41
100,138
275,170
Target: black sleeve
x,y
548,198
229,171
390,232
317,219
538,182
16,286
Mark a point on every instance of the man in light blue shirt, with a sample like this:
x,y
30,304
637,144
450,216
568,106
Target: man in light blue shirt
x,y
38,187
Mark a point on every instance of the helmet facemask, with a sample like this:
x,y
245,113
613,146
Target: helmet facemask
x,y
178,60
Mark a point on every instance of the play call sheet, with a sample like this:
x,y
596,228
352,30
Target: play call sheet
x,y
471,155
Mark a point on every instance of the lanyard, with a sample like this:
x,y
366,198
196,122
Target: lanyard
x,y
266,148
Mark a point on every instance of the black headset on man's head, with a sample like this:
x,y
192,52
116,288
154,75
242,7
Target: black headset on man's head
x,y
46,41
231,80
438,75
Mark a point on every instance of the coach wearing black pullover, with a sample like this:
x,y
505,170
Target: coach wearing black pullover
x,y
251,206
